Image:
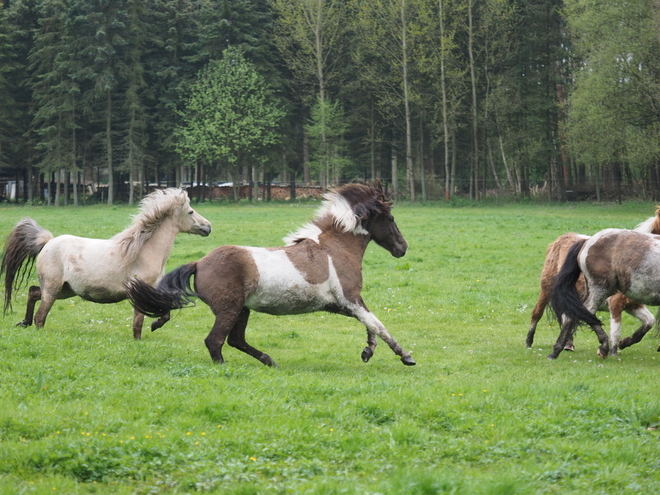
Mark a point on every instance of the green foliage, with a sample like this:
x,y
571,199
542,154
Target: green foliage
x,y
613,108
326,130
85,409
231,115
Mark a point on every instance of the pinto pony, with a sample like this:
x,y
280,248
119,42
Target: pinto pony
x,y
610,261
617,304
319,269
96,269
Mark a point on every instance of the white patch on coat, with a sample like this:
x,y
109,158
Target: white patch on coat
x,y
283,290
307,231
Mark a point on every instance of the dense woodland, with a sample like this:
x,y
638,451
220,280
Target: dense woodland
x,y
437,98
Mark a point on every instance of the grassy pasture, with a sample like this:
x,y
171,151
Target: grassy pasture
x,y
85,409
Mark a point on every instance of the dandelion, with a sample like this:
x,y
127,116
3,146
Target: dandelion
x,y
253,459
203,433
188,433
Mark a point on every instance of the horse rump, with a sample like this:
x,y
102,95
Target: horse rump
x,y
565,299
174,291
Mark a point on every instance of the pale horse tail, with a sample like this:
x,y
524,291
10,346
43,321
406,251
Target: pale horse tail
x,y
22,246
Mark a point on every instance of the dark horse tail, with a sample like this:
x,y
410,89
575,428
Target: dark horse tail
x,y
174,291
23,245
565,297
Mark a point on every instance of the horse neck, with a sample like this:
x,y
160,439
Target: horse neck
x,y
158,247
348,244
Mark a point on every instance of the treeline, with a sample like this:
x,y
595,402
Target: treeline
x,y
437,98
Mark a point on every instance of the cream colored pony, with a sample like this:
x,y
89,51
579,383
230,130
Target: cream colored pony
x,y
96,269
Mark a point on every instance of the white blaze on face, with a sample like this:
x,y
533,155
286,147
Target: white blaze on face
x,y
283,289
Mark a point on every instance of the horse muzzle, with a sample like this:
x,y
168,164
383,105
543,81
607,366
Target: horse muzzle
x,y
203,230
399,250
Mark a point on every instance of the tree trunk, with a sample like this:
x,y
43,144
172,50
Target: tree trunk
x,y
445,125
473,80
395,172
108,146
410,176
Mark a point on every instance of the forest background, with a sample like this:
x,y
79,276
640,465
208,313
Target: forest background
x,y
437,98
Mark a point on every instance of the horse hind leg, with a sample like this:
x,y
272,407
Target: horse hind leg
x,y
236,339
138,320
566,334
537,314
160,322
34,295
47,302
648,320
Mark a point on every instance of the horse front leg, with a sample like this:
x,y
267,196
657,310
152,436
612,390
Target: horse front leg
x,y
368,351
375,327
138,319
34,295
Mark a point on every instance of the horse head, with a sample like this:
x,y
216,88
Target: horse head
x,y
373,211
189,221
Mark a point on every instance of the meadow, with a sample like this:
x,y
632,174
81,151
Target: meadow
x,y
86,409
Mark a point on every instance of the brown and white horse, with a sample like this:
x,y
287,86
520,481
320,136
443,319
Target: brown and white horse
x,y
320,269
97,269
612,260
616,304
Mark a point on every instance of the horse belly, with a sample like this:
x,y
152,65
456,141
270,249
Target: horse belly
x,y
85,267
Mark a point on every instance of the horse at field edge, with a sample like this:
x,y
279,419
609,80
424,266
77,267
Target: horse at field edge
x,y
319,269
97,269
611,260
616,304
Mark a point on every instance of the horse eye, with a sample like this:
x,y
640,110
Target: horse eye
x,y
191,212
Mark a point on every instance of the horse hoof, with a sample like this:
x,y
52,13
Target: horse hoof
x,y
408,361
552,357
602,353
366,354
23,324
569,347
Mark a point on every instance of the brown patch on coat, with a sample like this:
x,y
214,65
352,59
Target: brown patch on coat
x,y
349,267
310,259
226,277
604,266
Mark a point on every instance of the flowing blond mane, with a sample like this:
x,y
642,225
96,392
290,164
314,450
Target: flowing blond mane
x,y
153,209
346,206
651,225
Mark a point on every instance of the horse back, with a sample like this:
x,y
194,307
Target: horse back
x,y
624,260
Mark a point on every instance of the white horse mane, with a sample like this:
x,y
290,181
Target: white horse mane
x,y
648,226
153,209
335,206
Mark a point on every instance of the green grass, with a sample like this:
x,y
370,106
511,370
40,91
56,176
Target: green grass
x,y
85,409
